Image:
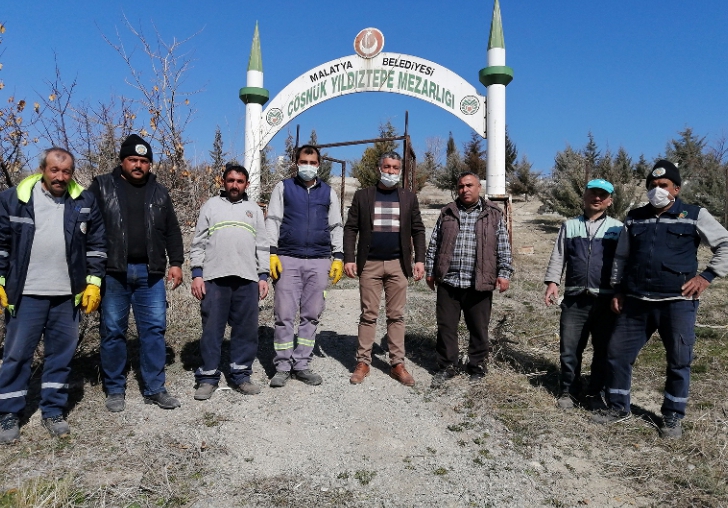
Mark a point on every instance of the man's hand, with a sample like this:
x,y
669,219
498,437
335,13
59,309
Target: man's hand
x,y
617,303
418,271
276,268
3,298
695,286
90,299
502,284
175,275
262,289
198,288
350,270
337,270
431,282
552,294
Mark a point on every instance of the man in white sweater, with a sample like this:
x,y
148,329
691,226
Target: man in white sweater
x,y
230,262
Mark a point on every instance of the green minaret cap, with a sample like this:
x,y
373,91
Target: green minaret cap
x,y
496,29
256,61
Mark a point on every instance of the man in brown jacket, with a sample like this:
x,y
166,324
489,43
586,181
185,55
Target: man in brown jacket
x,y
469,256
387,220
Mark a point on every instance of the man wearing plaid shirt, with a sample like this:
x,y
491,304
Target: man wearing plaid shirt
x,y
469,256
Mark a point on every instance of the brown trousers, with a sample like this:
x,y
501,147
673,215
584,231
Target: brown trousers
x,y
375,276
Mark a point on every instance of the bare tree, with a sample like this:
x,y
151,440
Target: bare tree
x,y
162,93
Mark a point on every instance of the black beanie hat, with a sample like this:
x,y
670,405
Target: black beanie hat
x,y
134,145
664,169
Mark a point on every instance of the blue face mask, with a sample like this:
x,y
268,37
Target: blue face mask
x,y
307,172
388,180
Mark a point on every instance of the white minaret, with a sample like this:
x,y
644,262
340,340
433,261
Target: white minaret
x,y
254,96
495,77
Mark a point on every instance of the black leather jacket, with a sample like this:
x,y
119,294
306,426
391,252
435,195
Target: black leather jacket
x,y
163,235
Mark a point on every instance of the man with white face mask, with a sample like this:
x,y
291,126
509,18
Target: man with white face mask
x,y
655,275
387,220
305,232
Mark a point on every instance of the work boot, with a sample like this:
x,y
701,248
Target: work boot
x,y
399,373
280,379
565,402
442,376
247,387
9,429
476,373
308,376
671,426
607,416
163,400
204,391
57,426
360,372
115,402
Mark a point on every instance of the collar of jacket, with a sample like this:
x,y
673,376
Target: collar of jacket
x,y
25,188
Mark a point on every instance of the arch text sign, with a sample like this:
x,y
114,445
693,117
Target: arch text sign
x,y
385,72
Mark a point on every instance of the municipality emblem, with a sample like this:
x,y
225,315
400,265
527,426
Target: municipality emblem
x,y
658,172
140,149
469,105
249,214
274,117
369,42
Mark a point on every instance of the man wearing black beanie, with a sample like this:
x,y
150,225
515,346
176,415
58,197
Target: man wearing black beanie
x,y
657,285
142,234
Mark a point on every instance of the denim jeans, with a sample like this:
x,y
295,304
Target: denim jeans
x,y
57,318
229,300
147,297
581,316
675,321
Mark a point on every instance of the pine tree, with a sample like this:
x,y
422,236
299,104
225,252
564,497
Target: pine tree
x,y
511,156
474,155
217,155
366,170
324,172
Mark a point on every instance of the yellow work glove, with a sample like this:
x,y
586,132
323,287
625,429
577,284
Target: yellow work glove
x,y
91,298
3,298
276,268
337,270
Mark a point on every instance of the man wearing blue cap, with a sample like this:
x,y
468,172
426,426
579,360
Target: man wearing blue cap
x,y
657,283
585,250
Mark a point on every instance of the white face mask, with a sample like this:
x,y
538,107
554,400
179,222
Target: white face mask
x,y
307,172
659,197
388,180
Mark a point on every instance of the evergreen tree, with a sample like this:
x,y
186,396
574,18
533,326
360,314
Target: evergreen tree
x,y
324,172
523,180
474,155
689,152
451,148
511,156
642,168
366,170
289,150
217,155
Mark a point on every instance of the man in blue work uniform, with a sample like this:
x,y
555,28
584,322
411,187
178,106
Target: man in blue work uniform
x,y
52,259
656,277
584,249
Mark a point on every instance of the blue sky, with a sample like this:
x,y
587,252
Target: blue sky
x,y
633,73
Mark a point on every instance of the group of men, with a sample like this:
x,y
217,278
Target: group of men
x,y
64,249
623,282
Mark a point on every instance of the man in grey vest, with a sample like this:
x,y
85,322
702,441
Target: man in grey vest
x,y
469,256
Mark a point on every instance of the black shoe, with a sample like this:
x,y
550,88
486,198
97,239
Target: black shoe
x,y
308,376
57,426
477,373
442,376
163,400
607,416
115,402
671,426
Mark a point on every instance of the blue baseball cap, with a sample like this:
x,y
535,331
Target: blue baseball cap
x,y
600,184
